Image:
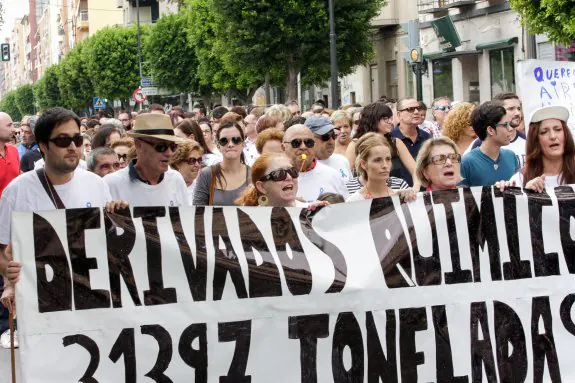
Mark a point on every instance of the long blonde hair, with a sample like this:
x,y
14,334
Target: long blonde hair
x,y
363,147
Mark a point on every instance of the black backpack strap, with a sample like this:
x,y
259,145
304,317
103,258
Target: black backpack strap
x,y
49,188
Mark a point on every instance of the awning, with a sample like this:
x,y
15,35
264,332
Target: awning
x,y
444,55
497,44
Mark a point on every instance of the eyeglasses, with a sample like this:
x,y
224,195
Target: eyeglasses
x,y
235,140
296,143
123,157
280,175
65,141
411,109
441,159
442,108
162,147
504,124
326,137
194,160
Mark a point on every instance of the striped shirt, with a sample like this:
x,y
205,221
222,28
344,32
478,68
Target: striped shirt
x,y
394,183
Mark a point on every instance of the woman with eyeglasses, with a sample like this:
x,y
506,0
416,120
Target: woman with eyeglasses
x,y
550,152
122,148
188,161
208,132
438,164
374,165
221,184
190,129
342,122
378,118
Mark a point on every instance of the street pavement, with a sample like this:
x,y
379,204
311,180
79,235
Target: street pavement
x,y
5,375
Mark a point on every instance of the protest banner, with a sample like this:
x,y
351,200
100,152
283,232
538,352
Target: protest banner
x,y
464,285
543,83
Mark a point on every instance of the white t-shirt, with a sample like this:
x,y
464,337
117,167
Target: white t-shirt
x,y
517,146
26,193
550,181
172,191
213,158
250,152
340,164
356,196
321,179
40,164
191,190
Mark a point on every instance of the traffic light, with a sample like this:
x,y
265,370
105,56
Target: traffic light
x,y
5,52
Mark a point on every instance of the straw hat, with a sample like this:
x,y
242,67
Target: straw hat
x,y
152,125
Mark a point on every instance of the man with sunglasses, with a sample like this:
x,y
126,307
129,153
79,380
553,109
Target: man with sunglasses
x,y
59,184
440,108
408,131
148,180
324,135
489,163
315,178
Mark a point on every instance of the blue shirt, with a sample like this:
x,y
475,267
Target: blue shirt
x,y
22,149
478,169
412,146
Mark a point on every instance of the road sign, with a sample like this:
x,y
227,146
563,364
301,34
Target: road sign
x,y
150,91
99,103
139,96
147,82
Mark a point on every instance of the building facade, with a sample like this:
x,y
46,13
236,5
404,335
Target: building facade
x,y
150,10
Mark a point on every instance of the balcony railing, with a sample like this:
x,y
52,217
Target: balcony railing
x,y
431,6
458,3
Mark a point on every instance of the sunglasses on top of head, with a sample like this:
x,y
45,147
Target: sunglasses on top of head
x,y
280,175
65,141
296,143
326,137
162,147
235,140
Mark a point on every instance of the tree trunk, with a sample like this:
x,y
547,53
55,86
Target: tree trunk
x,y
291,81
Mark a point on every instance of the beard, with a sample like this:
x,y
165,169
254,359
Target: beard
x,y
61,165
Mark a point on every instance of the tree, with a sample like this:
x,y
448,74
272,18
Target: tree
x,y
112,62
75,84
40,93
171,58
556,18
8,105
212,72
288,37
24,97
47,91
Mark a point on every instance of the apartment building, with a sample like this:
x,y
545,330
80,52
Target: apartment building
x,y
150,10
47,40
90,16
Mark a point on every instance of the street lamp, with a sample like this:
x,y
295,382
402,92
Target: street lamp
x,y
139,40
333,54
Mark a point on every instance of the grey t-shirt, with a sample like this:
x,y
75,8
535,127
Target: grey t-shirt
x,y
221,197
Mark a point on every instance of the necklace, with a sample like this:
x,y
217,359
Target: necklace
x,y
368,195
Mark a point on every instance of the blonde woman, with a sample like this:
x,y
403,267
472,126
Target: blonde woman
x,y
438,164
458,127
342,122
373,164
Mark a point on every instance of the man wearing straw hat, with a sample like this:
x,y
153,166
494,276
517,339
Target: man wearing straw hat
x,y
148,180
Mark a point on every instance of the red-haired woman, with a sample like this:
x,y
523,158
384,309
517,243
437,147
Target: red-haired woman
x,y
274,183
550,152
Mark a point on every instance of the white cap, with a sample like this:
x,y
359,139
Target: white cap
x,y
547,112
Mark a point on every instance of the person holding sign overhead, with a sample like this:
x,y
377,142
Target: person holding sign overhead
x,y
550,152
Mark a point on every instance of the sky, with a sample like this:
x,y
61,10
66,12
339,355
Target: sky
x,y
13,9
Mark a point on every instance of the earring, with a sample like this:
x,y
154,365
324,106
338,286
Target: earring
x,y
263,201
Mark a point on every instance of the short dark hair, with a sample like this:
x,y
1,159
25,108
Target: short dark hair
x,y
201,108
92,123
92,158
125,112
156,107
487,114
99,140
505,96
50,120
239,110
219,112
294,121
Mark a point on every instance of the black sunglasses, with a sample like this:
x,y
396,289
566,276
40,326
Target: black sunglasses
x,y
194,160
296,143
411,109
122,157
280,175
65,141
326,137
161,148
235,140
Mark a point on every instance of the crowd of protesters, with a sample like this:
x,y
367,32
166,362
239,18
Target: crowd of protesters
x,y
276,156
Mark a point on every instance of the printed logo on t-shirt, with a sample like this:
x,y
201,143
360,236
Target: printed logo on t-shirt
x,y
343,175
321,191
171,203
88,204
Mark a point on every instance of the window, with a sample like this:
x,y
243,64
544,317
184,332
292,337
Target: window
x,y
352,96
442,78
501,62
83,15
391,79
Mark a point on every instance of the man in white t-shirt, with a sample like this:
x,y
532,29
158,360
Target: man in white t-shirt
x,y
58,135
314,178
148,180
324,135
250,152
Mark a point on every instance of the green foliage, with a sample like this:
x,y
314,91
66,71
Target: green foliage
x,y
39,90
112,62
284,38
9,105
24,97
47,91
73,79
171,59
556,18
